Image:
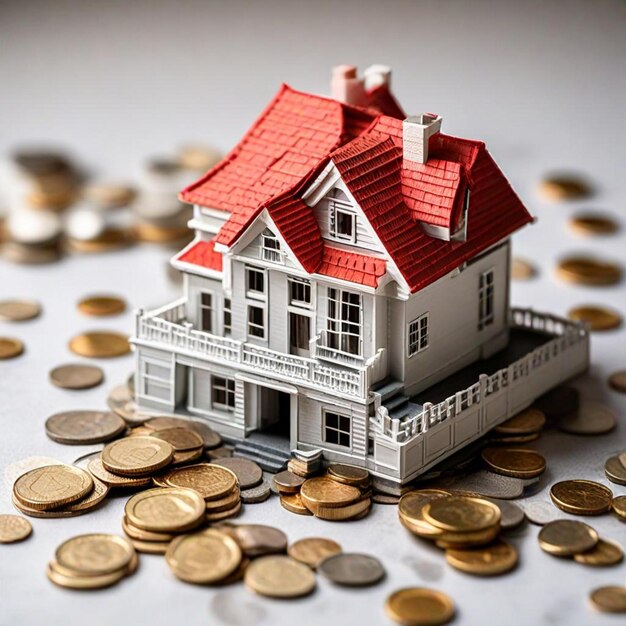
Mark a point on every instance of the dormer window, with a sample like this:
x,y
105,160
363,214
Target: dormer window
x,y
341,218
270,247
460,230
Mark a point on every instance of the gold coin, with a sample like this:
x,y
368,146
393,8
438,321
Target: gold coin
x,y
312,550
590,419
84,427
133,532
279,577
212,482
14,528
497,558
527,422
198,158
611,599
463,540
165,510
10,347
110,196
589,271
418,606
287,482
324,491
605,552
581,497
341,513
516,462
187,456
349,474
110,239
224,514
593,224
564,187
100,306
225,503
461,514
617,381
596,317
615,471
100,344
204,557
150,547
619,507
98,470
94,554
98,581
521,269
19,310
566,538
134,456
181,439
411,511
76,376
52,486
154,233
293,503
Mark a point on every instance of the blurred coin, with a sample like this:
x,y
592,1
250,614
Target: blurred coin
x,y
253,495
248,473
226,503
109,195
212,517
187,456
349,474
596,317
617,381
540,512
293,503
516,462
383,498
29,226
93,554
19,310
52,486
581,497
200,158
591,223
98,470
279,577
27,254
122,402
619,507
98,581
615,470
14,528
521,269
312,550
352,570
108,240
418,606
340,513
559,187
461,514
181,439
210,481
10,347
411,511
611,599
602,554
221,452
566,538
496,558
527,422
14,470
136,456
288,482
100,344
84,427
259,539
590,419
76,376
150,547
511,514
153,233
583,270
100,306
140,534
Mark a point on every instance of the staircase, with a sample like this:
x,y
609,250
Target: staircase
x,y
393,399
270,458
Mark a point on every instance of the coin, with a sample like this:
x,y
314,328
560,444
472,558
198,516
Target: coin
x,y
288,482
352,570
340,513
258,539
561,187
527,422
488,484
109,239
98,581
461,513
75,376
14,528
140,534
223,514
150,547
589,271
617,381
260,493
134,456
324,491
93,554
349,474
516,462
225,503
603,553
19,310
101,305
210,438
312,550
590,419
98,470
210,481
619,507
596,317
566,538
181,439
248,473
497,558
100,344
279,576
384,498
611,599
52,486
411,511
593,224
522,269
84,427
469,539
187,456
581,497
10,347
615,471
198,157
293,503
204,557
165,510
109,195
418,606
511,514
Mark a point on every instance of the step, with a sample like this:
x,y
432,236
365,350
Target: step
x,y
266,462
387,389
396,402
275,455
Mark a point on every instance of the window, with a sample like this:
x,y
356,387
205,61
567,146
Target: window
x,y
344,321
299,292
256,321
228,317
255,281
336,429
223,393
270,247
341,218
156,380
418,335
485,299
206,311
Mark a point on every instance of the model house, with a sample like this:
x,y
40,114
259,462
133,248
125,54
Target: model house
x,y
348,289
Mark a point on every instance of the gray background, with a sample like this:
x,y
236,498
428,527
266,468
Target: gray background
x,y
542,83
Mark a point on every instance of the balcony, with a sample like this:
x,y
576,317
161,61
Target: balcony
x,y
167,329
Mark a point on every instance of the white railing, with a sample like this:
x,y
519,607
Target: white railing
x,y
568,334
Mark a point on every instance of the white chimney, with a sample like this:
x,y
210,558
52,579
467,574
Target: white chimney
x,y
346,86
416,131
376,76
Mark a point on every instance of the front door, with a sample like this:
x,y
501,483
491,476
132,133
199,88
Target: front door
x,y
274,411
299,334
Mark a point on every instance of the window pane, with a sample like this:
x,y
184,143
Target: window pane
x,y
332,436
344,423
344,440
156,390
157,371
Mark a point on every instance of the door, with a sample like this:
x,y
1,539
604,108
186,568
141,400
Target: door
x,y
299,334
274,411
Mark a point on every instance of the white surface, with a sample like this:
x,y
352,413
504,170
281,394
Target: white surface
x,y
541,82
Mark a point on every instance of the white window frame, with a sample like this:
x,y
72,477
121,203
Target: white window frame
x,y
338,430
300,304
153,379
486,299
227,311
339,322
274,253
226,388
418,338
262,308
460,234
251,293
336,206
202,308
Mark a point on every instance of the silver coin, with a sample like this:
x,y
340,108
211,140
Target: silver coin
x,y
260,493
352,570
258,539
590,419
511,514
248,473
489,485
540,512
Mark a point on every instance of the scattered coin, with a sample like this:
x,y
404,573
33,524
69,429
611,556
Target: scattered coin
x,y
581,497
615,470
566,538
258,539
540,512
99,581
516,462
199,158
603,553
134,456
260,493
461,514
211,481
596,317
288,482
527,422
84,427
488,484
611,599
411,511
19,310
101,305
522,269
94,554
418,606
511,514
590,419
248,473
121,401
384,498
101,345
10,347
14,528
619,507
76,376
583,270
52,486
279,576
564,187
134,532
496,558
593,224
352,570
312,550
617,381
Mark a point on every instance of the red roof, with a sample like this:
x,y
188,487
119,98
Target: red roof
x,y
203,254
353,267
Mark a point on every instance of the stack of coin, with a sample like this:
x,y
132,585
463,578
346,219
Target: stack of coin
x,y
92,561
33,237
198,158
305,464
521,428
